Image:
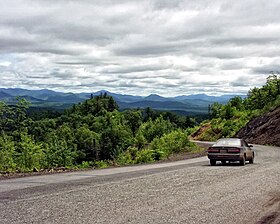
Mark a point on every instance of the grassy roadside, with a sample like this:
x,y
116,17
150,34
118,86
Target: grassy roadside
x,y
198,152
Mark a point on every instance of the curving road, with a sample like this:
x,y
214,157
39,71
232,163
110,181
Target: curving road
x,y
187,191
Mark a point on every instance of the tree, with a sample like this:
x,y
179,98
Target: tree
x,y
112,105
29,154
87,144
6,117
237,102
216,110
115,136
133,119
58,152
155,129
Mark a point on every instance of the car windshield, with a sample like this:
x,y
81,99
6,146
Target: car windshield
x,y
225,142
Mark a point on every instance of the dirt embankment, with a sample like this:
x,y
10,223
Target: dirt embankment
x,y
197,135
263,130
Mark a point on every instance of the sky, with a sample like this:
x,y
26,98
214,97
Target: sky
x,y
139,47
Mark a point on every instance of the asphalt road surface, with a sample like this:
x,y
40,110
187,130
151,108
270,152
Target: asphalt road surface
x,y
189,191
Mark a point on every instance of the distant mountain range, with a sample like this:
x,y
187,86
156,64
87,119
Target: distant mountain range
x,y
185,104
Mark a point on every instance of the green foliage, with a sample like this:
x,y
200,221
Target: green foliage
x,y
6,117
90,134
85,165
126,157
140,141
95,133
13,118
115,135
258,98
145,156
96,106
155,129
174,142
39,129
7,153
230,118
178,121
88,143
59,152
160,148
29,155
215,110
101,164
133,120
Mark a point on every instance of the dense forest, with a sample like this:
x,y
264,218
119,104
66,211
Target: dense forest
x,y
93,133
226,120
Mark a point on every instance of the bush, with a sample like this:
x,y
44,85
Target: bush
x,y
7,153
174,142
124,158
29,155
86,164
58,153
155,129
145,156
101,164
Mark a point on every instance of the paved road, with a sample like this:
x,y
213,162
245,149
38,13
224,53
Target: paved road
x,y
187,191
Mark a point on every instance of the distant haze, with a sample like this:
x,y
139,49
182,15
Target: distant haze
x,y
136,47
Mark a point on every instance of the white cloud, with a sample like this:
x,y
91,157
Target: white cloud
x,y
139,47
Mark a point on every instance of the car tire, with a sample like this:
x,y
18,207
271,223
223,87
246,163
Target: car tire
x,y
242,161
224,162
252,159
212,162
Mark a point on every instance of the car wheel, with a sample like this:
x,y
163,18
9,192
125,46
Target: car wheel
x,y
252,159
212,162
224,162
242,161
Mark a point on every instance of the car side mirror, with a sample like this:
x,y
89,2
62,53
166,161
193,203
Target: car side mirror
x,y
250,146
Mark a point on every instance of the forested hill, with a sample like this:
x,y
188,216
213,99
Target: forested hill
x,y
228,119
93,133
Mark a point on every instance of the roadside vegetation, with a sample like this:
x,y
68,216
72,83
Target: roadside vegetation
x,y
90,134
226,120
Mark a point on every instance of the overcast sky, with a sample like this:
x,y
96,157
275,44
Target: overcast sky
x,y
139,47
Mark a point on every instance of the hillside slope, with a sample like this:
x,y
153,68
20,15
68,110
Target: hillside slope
x,y
264,130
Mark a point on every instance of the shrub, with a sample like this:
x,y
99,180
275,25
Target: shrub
x,y
144,156
124,158
155,129
29,155
7,153
101,164
86,164
174,142
58,153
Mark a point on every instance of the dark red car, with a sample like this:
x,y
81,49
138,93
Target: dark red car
x,y
231,149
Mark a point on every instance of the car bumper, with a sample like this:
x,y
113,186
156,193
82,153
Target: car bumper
x,y
227,157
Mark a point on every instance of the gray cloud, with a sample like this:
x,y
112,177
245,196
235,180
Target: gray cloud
x,y
266,69
139,47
